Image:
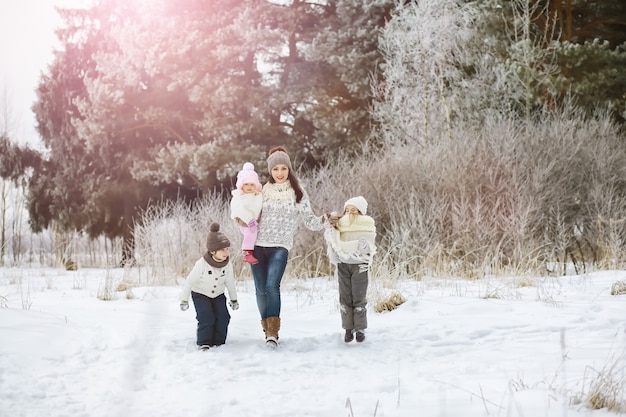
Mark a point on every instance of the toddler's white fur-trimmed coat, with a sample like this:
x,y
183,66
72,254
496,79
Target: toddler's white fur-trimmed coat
x,y
245,206
352,241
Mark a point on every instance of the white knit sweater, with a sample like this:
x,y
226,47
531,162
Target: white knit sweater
x,y
281,215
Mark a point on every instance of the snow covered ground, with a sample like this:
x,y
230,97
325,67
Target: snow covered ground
x,y
454,349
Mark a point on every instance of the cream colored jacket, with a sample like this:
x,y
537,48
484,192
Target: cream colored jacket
x,y
351,242
210,281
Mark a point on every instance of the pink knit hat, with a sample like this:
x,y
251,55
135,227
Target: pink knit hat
x,y
248,176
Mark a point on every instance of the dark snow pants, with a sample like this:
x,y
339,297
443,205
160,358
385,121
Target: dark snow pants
x,y
213,318
353,280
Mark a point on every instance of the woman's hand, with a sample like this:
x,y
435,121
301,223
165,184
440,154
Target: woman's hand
x,y
330,219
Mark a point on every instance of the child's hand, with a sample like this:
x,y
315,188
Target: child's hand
x,y
234,304
184,305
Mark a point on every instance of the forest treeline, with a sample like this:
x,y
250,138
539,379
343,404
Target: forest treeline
x,y
487,135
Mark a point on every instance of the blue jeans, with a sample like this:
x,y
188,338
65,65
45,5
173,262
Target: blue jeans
x,y
267,274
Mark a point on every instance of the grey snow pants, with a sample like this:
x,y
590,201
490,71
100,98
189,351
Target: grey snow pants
x,y
353,280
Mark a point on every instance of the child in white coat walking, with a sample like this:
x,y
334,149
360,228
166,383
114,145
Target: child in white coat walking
x,y
210,277
351,246
246,204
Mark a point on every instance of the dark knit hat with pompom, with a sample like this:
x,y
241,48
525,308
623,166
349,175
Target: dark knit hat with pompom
x,y
216,239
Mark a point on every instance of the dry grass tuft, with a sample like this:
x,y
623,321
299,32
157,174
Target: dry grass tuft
x,y
522,282
618,288
390,303
606,389
70,265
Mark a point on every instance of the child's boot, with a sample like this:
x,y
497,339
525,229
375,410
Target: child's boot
x,y
360,336
349,336
249,257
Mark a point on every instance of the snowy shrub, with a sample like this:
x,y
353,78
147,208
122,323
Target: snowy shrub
x,y
171,236
79,281
468,185
25,294
513,198
106,289
618,288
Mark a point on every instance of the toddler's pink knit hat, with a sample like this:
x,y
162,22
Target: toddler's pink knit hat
x,y
248,176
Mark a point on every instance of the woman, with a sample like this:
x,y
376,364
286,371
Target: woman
x,y
285,203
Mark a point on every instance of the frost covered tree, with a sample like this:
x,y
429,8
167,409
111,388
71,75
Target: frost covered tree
x,y
448,61
555,49
424,46
507,167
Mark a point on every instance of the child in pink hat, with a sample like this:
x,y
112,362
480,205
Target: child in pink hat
x,y
246,205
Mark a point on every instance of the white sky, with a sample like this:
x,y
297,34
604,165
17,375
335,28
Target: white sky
x,y
27,41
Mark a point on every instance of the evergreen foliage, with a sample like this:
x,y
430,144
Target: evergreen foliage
x,y
448,62
15,160
552,49
151,100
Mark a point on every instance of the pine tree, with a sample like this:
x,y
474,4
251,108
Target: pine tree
x,y
576,48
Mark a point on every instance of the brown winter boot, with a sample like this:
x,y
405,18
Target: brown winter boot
x,y
264,325
271,333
